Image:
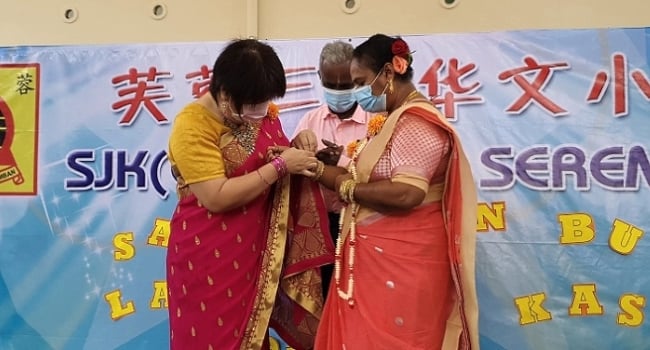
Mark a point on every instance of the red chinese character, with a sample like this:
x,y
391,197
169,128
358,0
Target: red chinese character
x,y
202,83
620,82
457,94
296,86
143,92
533,90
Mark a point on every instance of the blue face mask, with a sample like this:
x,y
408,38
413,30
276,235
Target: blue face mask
x,y
368,101
339,101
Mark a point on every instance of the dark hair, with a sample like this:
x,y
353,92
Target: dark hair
x,y
375,52
249,71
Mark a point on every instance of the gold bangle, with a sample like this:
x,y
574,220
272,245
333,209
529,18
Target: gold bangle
x,y
351,192
262,177
344,190
320,169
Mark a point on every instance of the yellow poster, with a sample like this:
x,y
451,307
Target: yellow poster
x,y
19,102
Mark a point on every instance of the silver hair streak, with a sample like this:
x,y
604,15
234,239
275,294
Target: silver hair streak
x,y
336,52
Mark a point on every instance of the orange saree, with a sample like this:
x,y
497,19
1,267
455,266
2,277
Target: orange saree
x,y
231,275
414,272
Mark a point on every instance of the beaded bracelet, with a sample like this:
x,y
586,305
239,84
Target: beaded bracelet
x,y
280,166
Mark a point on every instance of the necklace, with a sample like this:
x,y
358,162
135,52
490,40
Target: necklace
x,y
245,133
412,95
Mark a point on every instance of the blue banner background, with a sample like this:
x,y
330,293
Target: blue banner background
x,y
57,248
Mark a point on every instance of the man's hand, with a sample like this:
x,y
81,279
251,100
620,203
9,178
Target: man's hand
x,y
331,154
305,140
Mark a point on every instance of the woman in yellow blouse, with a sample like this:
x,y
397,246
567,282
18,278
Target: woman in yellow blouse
x,y
247,235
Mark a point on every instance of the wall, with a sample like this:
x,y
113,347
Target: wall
x,y
41,22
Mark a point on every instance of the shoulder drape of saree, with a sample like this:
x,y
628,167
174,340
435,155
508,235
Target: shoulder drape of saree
x,y
300,302
459,208
298,242
268,280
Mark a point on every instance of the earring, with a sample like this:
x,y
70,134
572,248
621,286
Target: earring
x,y
224,107
390,86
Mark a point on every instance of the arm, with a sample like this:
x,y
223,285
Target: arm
x,y
194,145
411,170
224,194
386,196
330,175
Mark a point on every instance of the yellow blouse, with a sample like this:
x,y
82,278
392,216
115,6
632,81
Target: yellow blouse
x,y
194,144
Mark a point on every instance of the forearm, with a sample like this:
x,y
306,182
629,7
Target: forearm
x,y
243,189
386,196
328,179
239,191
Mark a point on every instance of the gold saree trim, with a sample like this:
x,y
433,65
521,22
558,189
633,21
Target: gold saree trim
x,y
415,181
301,290
269,278
299,307
462,325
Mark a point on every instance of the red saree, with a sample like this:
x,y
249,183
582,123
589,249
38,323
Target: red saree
x,y
231,275
414,273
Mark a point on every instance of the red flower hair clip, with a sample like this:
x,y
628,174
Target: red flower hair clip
x,y
401,55
400,48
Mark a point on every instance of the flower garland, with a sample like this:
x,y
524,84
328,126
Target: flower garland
x,y
348,191
354,148
374,126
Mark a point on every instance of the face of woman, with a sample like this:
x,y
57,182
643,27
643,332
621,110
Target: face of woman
x,y
370,90
249,112
362,75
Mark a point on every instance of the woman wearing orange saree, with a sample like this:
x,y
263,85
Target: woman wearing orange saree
x,y
249,232
404,265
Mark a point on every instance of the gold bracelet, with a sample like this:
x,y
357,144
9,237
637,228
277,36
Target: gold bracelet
x,y
344,190
351,192
318,173
262,177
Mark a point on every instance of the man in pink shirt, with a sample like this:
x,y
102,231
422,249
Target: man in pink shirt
x,y
339,121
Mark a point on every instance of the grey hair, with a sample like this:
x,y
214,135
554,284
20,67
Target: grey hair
x,y
336,52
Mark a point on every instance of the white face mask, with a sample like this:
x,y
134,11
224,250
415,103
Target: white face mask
x,y
255,112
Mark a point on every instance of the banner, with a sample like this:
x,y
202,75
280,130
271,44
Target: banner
x,y
555,124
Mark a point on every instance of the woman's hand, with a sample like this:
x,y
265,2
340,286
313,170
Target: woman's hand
x,y
299,161
305,140
275,151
